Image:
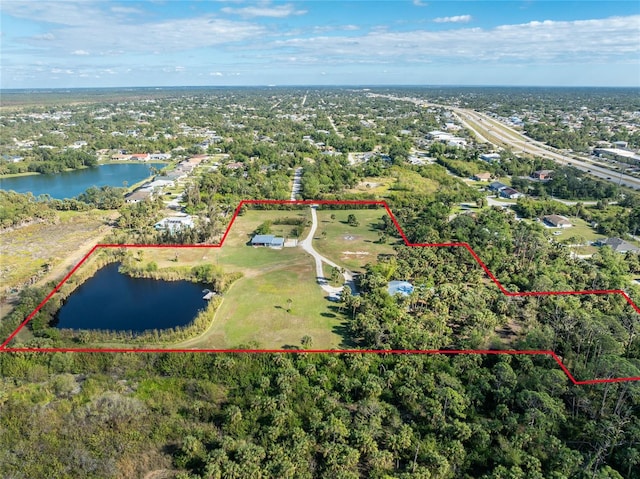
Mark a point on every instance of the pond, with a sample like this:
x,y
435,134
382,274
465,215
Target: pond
x,y
114,301
69,184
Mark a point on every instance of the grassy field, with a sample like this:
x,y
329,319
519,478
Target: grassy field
x,y
44,252
348,246
277,301
581,231
254,309
398,179
26,250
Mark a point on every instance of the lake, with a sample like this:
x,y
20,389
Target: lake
x,y
114,301
69,184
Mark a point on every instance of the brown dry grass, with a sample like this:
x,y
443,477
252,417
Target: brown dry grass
x,y
25,251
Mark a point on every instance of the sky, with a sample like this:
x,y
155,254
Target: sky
x,y
91,43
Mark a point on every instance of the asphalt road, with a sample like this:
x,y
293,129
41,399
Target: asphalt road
x,y
520,143
485,128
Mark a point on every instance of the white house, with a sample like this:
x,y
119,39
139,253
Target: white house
x,y
490,157
156,184
510,193
174,223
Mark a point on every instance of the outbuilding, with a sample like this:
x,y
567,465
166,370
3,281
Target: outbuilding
x,y
270,241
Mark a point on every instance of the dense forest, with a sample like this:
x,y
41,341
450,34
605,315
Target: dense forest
x,y
363,415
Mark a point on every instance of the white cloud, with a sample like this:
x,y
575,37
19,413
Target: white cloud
x,y
420,3
110,37
70,13
331,28
45,36
216,74
265,10
455,19
118,9
542,42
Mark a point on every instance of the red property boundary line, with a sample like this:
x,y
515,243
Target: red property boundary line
x,y
4,346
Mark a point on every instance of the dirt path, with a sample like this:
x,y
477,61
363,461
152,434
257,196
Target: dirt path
x,y
297,187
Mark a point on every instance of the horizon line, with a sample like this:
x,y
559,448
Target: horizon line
x,y
324,85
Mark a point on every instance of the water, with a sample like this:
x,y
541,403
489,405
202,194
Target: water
x,y
114,301
69,184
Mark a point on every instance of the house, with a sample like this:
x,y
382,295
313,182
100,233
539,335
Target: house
x,y
457,142
557,221
542,174
510,193
235,166
159,184
174,175
174,223
267,240
490,157
497,186
160,156
438,135
138,196
120,157
140,156
618,245
482,176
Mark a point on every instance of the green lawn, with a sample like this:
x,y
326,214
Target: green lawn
x,y
349,246
581,231
255,310
399,179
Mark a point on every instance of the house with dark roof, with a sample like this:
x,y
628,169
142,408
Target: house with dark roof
x,y
510,193
618,245
497,186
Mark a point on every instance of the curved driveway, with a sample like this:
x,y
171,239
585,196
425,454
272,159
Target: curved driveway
x,y
307,245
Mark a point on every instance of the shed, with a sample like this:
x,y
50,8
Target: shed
x,y
262,240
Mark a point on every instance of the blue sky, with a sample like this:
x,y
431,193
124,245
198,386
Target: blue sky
x,y
87,43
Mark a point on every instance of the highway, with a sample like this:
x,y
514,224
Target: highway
x,y
489,130
519,143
